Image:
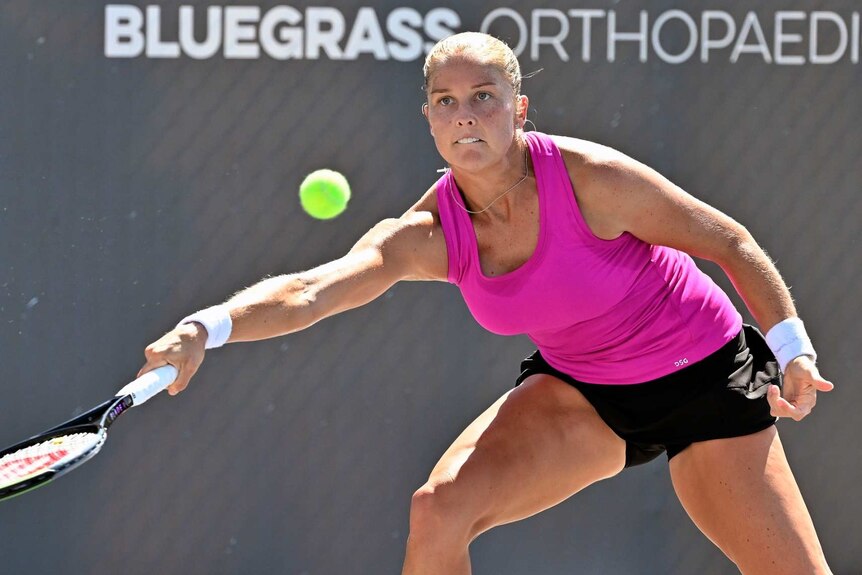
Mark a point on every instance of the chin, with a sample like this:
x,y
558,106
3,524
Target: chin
x,y
471,160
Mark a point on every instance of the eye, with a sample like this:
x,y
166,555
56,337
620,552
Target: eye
x,y
445,101
482,96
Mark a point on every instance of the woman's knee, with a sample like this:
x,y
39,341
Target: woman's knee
x,y
439,510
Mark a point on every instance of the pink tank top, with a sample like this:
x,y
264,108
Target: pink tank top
x,y
603,311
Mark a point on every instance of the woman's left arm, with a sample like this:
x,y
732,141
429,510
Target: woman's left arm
x,y
618,194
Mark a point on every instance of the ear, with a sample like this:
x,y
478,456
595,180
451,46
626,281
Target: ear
x,y
425,113
523,104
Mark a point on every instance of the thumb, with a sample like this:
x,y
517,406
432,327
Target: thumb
x,y
823,385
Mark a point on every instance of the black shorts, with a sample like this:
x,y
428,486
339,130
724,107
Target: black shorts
x,y
723,395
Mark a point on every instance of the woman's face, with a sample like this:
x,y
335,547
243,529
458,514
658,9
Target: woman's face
x,y
473,113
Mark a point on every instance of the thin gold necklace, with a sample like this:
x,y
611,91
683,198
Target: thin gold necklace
x,y
512,187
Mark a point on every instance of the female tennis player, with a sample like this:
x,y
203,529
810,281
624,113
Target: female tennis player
x,y
639,353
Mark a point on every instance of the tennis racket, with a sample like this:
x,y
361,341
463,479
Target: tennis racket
x,y
47,456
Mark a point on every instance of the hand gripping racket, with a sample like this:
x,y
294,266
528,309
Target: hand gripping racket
x,y
47,456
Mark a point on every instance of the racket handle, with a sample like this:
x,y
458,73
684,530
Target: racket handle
x,y
149,384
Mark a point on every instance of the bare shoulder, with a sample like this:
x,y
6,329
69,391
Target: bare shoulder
x,y
586,158
618,194
602,178
596,169
414,242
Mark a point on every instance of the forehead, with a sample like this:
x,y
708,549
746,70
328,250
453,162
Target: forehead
x,y
464,72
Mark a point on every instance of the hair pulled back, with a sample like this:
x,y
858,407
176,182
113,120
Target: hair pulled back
x,y
482,48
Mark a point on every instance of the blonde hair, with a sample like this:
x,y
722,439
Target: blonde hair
x,y
482,47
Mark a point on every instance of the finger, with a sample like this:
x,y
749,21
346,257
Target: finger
x,y
773,394
150,366
780,407
176,387
153,364
823,385
182,381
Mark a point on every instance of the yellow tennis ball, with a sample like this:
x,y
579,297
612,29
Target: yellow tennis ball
x,y
324,194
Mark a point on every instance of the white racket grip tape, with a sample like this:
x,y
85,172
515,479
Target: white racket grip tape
x,y
149,384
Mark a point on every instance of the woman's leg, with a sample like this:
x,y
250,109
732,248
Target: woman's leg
x,y
741,493
537,445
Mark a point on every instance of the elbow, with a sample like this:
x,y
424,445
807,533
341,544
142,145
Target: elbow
x,y
738,245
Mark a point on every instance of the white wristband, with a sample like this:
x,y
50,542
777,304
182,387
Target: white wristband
x,y
787,340
216,320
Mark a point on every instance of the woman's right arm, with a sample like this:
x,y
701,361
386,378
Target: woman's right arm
x,y
408,248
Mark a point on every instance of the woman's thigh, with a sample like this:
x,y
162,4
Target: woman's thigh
x,y
537,445
741,493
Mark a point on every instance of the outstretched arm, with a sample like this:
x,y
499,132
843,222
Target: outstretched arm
x,y
618,195
407,248
393,250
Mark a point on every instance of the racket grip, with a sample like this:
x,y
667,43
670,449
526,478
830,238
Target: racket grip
x,y
149,384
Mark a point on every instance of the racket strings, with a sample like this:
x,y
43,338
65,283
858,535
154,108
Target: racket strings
x,y
34,459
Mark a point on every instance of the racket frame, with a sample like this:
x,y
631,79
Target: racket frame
x,y
96,420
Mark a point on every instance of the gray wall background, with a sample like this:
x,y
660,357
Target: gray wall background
x,y
133,191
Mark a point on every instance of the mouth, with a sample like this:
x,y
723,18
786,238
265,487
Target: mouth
x,y
468,141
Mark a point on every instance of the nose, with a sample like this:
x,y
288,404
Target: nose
x,y
465,117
